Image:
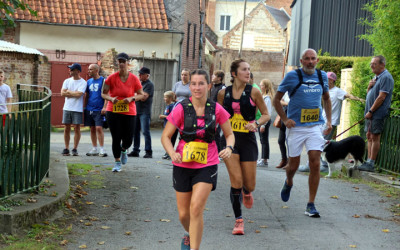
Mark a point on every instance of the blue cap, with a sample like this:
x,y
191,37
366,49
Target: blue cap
x,y
75,66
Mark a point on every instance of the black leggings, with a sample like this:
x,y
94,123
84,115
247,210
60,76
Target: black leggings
x,y
121,128
282,141
264,139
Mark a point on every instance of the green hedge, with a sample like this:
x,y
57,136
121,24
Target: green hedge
x,y
361,76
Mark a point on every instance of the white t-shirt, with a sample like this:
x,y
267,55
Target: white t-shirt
x,y
74,103
5,92
337,96
267,100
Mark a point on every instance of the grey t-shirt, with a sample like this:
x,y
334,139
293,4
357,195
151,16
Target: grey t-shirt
x,y
145,107
384,83
181,91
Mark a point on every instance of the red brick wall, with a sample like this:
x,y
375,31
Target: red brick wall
x,y
10,35
192,15
20,68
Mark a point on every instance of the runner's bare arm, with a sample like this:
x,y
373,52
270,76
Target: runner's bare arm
x,y
168,131
328,112
230,140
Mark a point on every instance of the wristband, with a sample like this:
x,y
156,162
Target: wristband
x,y
230,148
370,111
256,122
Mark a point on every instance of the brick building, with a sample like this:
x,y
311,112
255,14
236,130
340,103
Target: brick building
x,y
188,16
67,31
265,40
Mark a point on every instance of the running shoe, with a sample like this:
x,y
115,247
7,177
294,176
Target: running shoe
x,y
124,157
262,163
92,152
102,152
65,152
248,200
117,167
185,245
311,211
239,227
75,152
165,156
285,192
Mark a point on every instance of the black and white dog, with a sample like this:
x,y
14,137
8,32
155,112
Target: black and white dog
x,y
335,151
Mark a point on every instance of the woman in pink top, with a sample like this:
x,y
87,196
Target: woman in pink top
x,y
121,89
196,157
241,100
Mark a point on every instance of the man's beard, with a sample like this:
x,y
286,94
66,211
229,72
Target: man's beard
x,y
309,71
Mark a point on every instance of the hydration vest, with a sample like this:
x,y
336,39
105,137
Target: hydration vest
x,y
190,121
298,71
247,110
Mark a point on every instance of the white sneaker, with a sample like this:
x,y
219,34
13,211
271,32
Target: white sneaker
x,y
92,152
102,152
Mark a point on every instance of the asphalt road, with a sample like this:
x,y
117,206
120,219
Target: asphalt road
x,y
141,200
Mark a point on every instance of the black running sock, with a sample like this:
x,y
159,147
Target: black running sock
x,y
245,190
236,196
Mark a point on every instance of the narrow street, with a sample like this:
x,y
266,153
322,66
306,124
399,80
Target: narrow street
x,y
135,209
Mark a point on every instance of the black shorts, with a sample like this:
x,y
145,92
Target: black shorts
x,y
93,118
185,178
246,146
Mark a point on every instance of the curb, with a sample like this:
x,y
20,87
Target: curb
x,y
381,178
21,217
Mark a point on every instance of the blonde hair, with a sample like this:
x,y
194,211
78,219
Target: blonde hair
x,y
170,94
269,88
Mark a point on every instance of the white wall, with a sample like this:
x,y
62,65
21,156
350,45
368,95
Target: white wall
x,y
235,10
85,39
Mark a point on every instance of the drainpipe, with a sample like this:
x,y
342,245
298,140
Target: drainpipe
x,y
180,56
201,38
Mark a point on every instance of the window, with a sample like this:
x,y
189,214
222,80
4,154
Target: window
x,y
194,40
188,39
225,22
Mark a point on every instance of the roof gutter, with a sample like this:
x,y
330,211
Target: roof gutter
x,y
102,27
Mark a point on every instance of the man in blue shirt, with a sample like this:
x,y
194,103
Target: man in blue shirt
x,y
95,110
306,87
379,97
143,116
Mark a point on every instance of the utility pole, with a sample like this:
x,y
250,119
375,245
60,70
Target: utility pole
x,y
241,36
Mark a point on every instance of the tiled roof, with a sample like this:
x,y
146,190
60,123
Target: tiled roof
x,y
131,14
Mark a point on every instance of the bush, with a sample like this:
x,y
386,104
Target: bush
x,y
361,76
383,33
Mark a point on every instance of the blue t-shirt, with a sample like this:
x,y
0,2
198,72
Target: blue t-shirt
x,y
95,101
384,83
168,110
307,97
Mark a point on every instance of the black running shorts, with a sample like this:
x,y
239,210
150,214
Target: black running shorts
x,y
246,146
185,178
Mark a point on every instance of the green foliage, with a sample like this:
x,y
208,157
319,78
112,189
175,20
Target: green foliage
x,y
383,33
361,75
7,9
335,64
360,78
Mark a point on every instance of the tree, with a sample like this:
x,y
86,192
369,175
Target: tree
x,y
383,33
7,10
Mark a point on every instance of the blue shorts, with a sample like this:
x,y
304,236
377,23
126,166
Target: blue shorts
x,y
72,117
93,118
